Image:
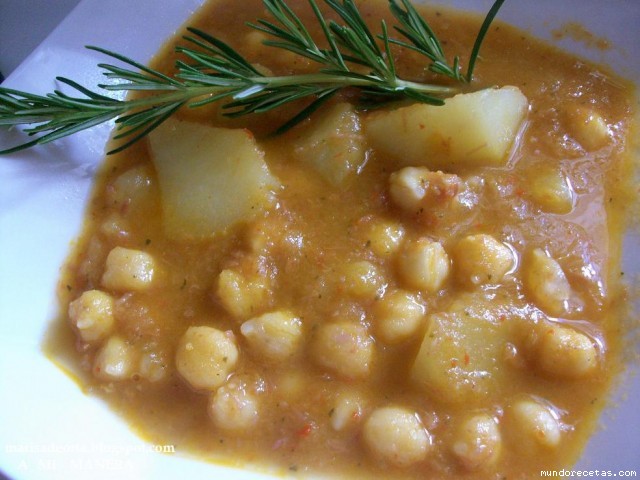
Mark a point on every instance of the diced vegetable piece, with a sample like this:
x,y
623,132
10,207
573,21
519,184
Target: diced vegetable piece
x,y
460,358
472,129
209,178
334,146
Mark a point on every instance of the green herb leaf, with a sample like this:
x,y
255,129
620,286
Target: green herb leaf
x,y
214,71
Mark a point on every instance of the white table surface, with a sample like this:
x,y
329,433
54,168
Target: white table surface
x,y
24,24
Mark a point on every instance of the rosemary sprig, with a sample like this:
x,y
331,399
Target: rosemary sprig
x,y
214,71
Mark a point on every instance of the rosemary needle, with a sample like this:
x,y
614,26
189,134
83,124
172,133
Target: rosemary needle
x,y
214,71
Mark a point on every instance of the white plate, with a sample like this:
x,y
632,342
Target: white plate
x,y
48,428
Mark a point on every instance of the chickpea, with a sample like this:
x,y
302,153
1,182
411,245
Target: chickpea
x,y
565,352
115,226
152,366
589,128
477,442
128,269
115,360
242,296
546,283
534,424
398,316
397,436
407,187
412,188
205,357
480,259
234,406
384,237
131,188
272,231
91,314
344,348
551,191
424,265
362,279
333,146
346,411
276,335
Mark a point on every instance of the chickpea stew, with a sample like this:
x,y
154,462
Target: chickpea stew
x,y
407,292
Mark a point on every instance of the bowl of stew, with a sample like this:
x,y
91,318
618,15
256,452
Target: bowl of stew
x,y
388,293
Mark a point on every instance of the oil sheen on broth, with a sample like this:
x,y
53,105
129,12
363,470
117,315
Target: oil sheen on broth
x,y
384,307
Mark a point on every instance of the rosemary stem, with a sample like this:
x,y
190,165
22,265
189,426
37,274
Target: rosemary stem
x,y
181,95
396,84
214,71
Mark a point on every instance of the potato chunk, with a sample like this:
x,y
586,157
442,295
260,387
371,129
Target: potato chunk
x,y
334,146
460,359
470,130
209,178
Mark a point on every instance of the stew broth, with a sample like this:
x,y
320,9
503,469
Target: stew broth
x,y
521,332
